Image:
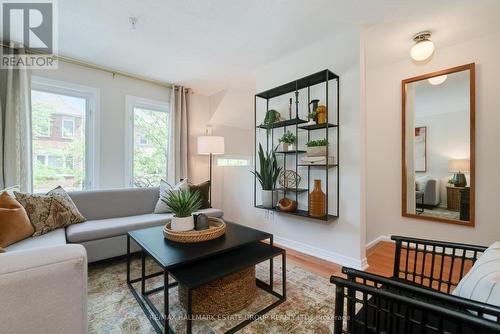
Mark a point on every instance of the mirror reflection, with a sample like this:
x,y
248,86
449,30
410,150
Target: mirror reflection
x,y
437,147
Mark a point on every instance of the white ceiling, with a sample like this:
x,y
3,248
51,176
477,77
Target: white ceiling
x,y
211,45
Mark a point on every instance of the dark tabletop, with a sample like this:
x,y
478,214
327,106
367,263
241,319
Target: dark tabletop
x,y
170,254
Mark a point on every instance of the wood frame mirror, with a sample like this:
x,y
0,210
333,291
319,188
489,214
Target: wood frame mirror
x,y
434,194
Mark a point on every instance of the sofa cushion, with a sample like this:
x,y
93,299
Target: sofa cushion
x,y
112,203
106,228
56,237
111,227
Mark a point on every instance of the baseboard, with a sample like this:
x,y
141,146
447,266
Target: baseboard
x,y
322,254
377,240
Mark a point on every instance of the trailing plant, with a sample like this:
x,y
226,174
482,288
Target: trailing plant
x,y
319,142
452,182
271,117
183,202
288,138
268,169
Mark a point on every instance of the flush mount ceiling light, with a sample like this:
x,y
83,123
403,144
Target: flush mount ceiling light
x,y
437,80
423,47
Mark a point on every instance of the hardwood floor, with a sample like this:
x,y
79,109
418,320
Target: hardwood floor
x,y
380,260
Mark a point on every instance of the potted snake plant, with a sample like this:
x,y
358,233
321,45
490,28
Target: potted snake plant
x,y
267,176
183,203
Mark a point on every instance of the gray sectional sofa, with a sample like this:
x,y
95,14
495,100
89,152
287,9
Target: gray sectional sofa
x,y
110,215
50,271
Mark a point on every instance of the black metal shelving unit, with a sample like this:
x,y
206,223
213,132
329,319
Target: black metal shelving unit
x,y
296,124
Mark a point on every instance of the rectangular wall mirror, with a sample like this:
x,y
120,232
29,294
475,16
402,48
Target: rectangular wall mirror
x,y
438,146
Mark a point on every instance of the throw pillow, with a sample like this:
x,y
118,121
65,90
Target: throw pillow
x,y
10,190
204,189
61,194
482,282
38,210
165,187
49,212
14,222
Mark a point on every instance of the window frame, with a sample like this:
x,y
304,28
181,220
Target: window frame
x,y
132,102
92,126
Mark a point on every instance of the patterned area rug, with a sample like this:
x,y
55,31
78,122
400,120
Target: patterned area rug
x,y
113,309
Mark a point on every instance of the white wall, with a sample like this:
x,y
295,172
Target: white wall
x,y
112,112
383,89
341,241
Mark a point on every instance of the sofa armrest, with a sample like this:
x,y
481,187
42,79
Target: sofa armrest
x,y
44,290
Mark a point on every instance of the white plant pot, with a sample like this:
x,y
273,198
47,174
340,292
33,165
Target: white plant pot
x,y
182,223
316,151
267,199
287,147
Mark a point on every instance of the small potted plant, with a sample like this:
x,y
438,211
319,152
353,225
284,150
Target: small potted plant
x,y
183,203
313,115
267,176
451,183
288,141
317,148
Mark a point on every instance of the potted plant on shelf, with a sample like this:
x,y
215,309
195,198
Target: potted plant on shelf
x,y
317,148
288,140
183,203
267,175
272,116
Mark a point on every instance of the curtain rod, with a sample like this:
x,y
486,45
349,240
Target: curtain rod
x,y
99,68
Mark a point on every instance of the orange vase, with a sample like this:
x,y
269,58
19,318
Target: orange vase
x,y
317,199
321,110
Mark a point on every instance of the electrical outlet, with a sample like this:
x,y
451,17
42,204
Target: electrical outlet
x,y
266,215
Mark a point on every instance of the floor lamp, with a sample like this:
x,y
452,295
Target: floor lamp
x,y
210,145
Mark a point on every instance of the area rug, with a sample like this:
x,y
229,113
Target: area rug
x,y
308,309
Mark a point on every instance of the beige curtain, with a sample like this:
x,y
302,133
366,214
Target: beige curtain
x,y
15,128
178,143
410,142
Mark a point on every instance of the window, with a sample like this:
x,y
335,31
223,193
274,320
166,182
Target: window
x,y
148,133
62,133
68,127
233,161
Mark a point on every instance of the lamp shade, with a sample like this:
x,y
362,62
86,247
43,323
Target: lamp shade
x,y
210,144
459,165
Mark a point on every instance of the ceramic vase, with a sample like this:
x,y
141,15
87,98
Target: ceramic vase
x,y
182,223
288,147
267,199
317,199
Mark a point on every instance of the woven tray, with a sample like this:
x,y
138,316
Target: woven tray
x,y
216,229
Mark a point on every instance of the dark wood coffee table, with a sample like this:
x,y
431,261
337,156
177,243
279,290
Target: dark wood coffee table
x,y
194,265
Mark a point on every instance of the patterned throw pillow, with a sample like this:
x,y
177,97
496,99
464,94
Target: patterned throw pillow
x,y
63,197
38,209
50,212
165,187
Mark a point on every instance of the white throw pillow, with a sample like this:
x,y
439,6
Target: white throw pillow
x,y
165,187
482,282
10,190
